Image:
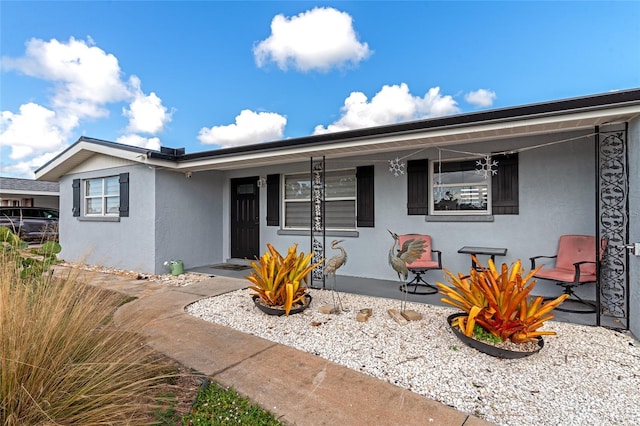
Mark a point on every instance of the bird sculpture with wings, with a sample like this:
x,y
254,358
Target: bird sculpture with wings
x,y
410,251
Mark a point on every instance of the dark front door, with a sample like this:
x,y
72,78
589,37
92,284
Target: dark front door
x,y
245,218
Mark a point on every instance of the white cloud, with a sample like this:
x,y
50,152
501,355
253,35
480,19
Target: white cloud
x,y
318,39
85,76
250,128
137,140
85,81
26,168
146,113
392,104
481,97
35,129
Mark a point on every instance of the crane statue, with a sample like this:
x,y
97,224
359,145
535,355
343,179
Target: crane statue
x,y
410,251
331,266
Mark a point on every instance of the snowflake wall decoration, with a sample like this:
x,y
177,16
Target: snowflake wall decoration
x,y
396,167
487,167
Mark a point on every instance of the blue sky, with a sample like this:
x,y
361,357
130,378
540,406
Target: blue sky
x,y
208,74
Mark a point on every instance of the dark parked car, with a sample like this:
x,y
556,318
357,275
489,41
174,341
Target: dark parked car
x,y
31,224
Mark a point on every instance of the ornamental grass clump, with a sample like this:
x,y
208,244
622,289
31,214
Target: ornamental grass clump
x,y
499,302
61,359
280,281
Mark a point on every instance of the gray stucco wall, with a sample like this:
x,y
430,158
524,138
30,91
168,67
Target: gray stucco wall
x,y
634,225
188,223
125,244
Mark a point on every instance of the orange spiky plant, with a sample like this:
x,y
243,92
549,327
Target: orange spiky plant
x,y
498,301
280,281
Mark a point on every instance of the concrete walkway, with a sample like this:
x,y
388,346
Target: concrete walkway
x,y
299,388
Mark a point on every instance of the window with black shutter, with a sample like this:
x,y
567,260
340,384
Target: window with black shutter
x,y
340,200
105,197
458,188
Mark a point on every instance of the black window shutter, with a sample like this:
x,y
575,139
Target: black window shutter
x,y
365,196
418,187
504,185
124,194
76,197
273,200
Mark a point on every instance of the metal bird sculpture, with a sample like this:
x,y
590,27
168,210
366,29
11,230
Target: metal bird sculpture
x,y
331,266
410,251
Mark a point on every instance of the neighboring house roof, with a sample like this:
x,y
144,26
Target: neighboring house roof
x,y
557,116
28,187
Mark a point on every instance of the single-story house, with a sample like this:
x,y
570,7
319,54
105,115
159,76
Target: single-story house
x,y
515,178
28,193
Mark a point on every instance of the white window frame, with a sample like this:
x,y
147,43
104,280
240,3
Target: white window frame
x,y
458,190
328,200
103,197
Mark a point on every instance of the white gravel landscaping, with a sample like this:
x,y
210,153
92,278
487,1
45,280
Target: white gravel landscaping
x,y
582,376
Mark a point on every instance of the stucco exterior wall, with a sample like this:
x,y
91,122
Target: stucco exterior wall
x,y
557,196
188,224
171,217
634,225
126,244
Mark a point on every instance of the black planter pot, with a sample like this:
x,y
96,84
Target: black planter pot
x,y
274,310
488,348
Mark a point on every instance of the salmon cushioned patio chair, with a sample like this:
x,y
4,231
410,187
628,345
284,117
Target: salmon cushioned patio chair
x,y
575,265
421,265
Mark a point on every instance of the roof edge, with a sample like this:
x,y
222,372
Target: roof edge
x,y
610,100
562,106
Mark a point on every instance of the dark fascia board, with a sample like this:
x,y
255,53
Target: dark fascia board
x,y
564,106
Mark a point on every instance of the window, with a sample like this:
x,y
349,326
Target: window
x,y
458,189
340,200
106,197
102,196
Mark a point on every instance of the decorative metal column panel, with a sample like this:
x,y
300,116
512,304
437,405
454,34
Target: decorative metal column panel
x,y
317,220
613,226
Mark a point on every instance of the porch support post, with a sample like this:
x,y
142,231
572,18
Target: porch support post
x,y
613,225
318,237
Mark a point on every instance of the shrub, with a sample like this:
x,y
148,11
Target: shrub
x,y
279,281
498,301
31,263
61,359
